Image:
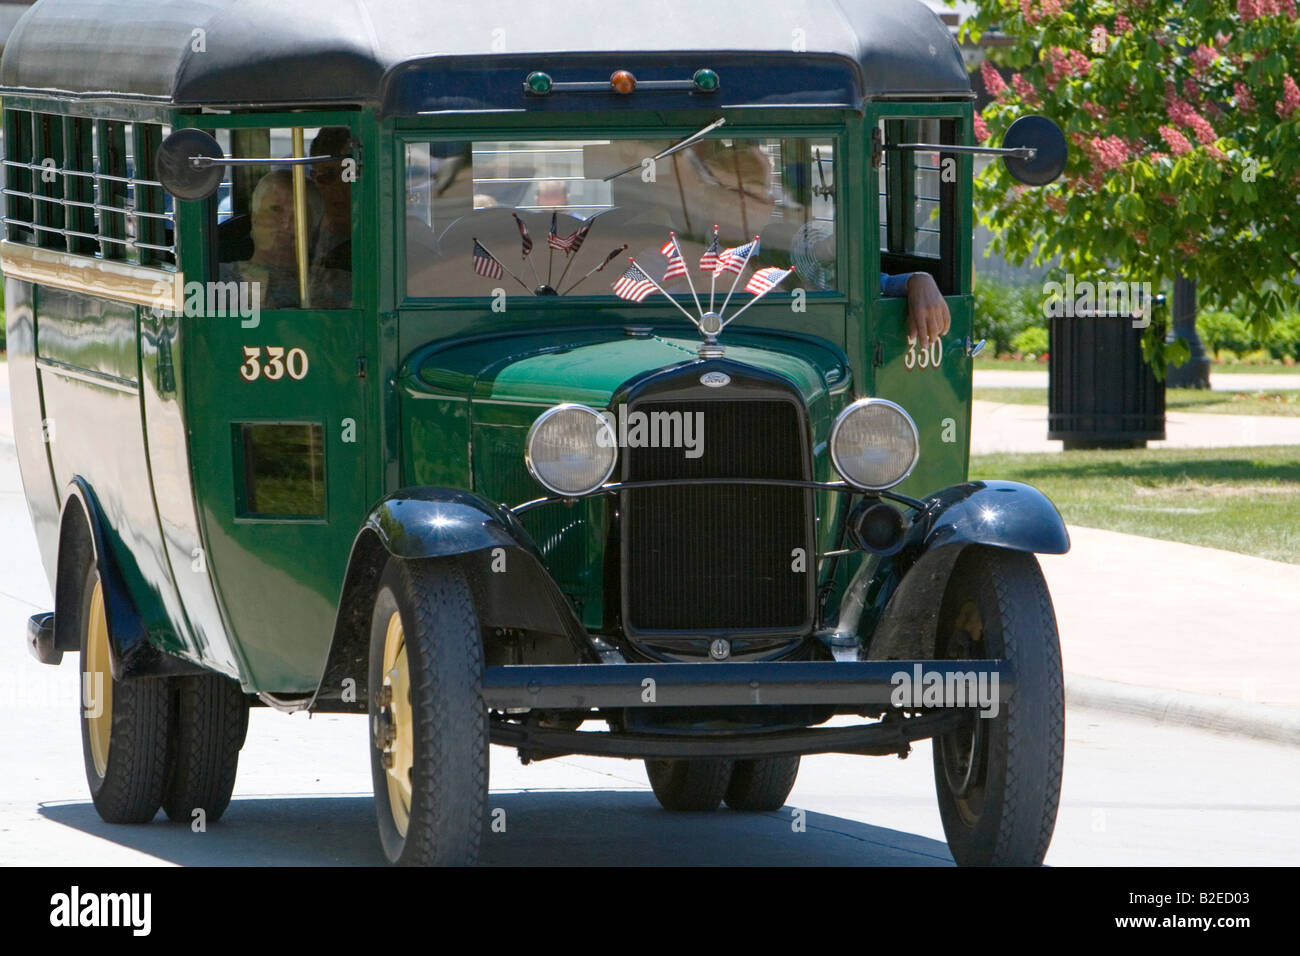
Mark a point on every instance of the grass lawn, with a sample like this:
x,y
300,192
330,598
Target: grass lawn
x,y
1237,499
1234,368
1176,400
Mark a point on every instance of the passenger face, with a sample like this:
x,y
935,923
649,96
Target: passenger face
x,y
272,223
328,178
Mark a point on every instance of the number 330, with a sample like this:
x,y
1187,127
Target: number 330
x,y
923,358
277,363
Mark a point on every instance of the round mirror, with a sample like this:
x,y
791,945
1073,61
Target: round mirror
x,y
1040,133
178,175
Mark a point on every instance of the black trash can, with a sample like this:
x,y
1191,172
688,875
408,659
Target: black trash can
x,y
1101,394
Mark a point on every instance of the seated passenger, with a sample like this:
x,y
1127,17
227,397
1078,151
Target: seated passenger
x,y
333,247
273,264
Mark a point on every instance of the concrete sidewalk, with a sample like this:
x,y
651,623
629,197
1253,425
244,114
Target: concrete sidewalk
x,y
999,427
1219,381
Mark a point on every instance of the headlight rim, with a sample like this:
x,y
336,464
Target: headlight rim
x,y
541,420
843,416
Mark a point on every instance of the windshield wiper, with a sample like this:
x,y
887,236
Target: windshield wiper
x,y
675,148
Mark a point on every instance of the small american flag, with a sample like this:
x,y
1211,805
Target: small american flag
x,y
676,264
523,234
576,240
485,264
709,261
733,260
765,280
633,284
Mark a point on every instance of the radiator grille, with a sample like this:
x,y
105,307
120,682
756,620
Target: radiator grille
x,y
718,558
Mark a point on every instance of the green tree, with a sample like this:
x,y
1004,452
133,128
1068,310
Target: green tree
x,y
1183,120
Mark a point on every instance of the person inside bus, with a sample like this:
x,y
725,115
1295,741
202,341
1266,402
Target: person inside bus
x,y
333,247
274,264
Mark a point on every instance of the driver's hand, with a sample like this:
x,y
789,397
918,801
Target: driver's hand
x,y
927,312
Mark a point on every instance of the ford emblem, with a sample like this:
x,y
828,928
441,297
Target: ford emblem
x,y
715,379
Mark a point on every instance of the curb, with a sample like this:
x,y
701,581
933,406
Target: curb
x,y
1220,714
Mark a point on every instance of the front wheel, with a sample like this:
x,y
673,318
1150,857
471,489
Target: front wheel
x,y
759,786
428,722
999,778
689,785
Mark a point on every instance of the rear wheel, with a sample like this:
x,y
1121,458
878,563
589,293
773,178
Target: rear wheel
x,y
123,725
209,723
428,722
999,778
689,785
762,785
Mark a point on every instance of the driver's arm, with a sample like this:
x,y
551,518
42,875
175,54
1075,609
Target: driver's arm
x,y
927,312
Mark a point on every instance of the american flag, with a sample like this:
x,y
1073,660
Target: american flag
x,y
485,264
765,280
676,264
523,234
570,243
709,261
733,260
633,284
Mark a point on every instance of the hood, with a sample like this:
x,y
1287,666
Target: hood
x,y
590,365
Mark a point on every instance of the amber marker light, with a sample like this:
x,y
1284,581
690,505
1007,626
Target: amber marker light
x,y
622,81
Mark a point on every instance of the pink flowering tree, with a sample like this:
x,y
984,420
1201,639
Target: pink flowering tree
x,y
1183,118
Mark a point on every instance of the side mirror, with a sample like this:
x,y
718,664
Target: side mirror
x,y
190,164
1045,138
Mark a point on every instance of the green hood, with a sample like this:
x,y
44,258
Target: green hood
x,y
590,365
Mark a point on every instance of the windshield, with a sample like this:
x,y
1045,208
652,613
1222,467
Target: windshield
x,y
524,215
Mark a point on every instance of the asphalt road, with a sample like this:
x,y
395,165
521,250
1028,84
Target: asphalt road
x,y
1134,793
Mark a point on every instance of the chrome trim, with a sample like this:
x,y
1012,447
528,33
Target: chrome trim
x,y
528,449
856,406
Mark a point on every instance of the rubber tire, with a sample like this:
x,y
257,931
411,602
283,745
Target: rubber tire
x,y
209,720
131,789
1020,762
689,785
759,786
449,773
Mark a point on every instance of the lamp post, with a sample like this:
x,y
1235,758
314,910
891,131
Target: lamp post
x,y
1195,372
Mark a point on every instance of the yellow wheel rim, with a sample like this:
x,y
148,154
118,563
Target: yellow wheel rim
x,y
399,751
97,683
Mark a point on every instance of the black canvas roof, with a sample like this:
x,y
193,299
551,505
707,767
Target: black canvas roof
x,y
293,52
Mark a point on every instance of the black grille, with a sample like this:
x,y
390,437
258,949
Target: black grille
x,y
719,558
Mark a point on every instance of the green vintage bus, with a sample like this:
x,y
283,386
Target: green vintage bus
x,y
492,370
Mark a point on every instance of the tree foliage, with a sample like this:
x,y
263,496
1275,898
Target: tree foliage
x,y
1183,120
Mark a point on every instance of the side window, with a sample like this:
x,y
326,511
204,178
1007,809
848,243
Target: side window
x,y
918,200
87,187
260,209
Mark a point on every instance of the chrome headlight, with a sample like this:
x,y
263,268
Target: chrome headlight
x,y
874,444
571,450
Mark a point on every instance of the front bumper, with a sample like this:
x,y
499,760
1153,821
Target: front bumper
x,y
856,685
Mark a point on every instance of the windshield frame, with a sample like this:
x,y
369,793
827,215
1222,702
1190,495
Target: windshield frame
x,y
611,127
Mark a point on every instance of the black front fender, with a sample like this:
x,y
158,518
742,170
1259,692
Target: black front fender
x,y
1002,514
512,588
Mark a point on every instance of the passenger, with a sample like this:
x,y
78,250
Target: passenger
x,y
552,192
333,248
927,312
273,264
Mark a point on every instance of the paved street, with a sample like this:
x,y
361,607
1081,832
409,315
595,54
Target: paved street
x,y
1219,381
1135,793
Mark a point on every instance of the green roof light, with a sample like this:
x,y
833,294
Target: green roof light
x,y
539,83
706,81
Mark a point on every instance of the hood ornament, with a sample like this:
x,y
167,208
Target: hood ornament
x,y
636,284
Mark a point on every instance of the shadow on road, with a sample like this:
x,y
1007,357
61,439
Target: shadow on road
x,y
542,828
